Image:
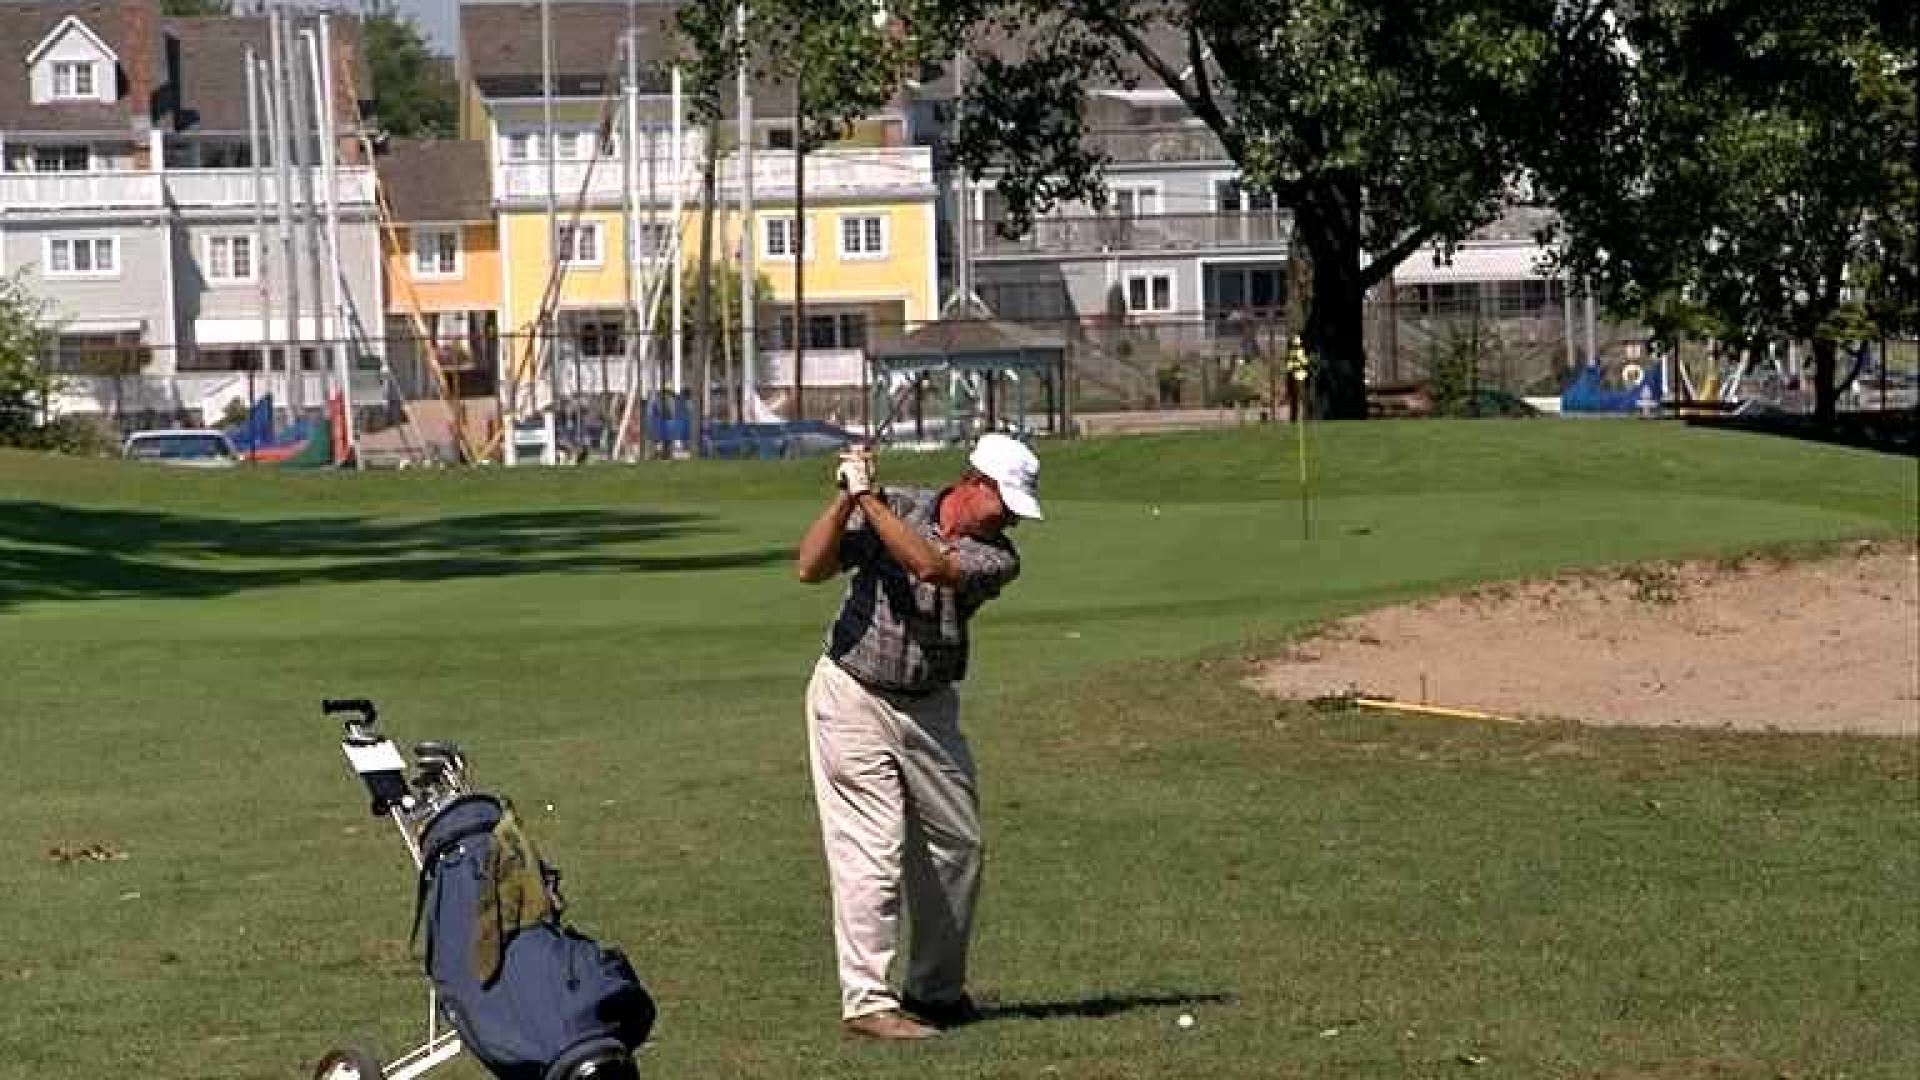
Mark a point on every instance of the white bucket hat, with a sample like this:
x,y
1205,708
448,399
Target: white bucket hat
x,y
1012,466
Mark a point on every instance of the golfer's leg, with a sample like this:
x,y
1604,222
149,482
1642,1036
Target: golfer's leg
x,y
944,849
856,787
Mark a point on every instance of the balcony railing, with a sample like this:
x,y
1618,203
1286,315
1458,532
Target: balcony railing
x,y
830,173
1168,143
79,190
234,187
1148,233
189,188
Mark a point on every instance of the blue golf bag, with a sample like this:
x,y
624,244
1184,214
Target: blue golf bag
x,y
532,998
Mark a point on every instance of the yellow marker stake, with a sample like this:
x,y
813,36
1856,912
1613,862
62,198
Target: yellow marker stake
x,y
1297,368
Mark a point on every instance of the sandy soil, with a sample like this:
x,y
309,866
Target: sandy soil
x,y
1825,645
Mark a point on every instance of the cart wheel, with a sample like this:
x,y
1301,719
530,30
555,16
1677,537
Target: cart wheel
x,y
349,1063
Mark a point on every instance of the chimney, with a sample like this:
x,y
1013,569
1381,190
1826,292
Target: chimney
x,y
140,49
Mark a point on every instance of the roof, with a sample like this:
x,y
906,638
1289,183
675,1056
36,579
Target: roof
x,y
208,88
969,343
500,46
123,27
1012,44
436,180
501,52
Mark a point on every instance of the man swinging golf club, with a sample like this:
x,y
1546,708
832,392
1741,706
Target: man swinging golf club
x,y
893,778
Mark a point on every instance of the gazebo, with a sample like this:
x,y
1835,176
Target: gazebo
x,y
984,373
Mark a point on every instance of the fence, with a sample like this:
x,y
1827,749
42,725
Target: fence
x,y
1039,374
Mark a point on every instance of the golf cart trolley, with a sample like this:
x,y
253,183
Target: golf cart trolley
x,y
508,981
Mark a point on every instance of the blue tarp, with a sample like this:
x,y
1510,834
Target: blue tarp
x,y
255,434
1589,394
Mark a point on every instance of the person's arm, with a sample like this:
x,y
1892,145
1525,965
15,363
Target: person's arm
x,y
819,555
922,558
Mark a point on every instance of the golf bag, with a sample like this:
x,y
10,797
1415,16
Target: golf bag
x,y
531,997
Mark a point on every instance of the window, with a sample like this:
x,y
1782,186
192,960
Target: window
x,y
653,241
825,330
780,138
520,146
580,244
61,159
1237,199
570,145
87,256
436,253
1150,293
1133,202
863,237
779,239
73,81
601,340
230,258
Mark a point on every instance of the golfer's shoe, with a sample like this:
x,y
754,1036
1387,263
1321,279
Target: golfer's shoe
x,y
891,1025
959,1012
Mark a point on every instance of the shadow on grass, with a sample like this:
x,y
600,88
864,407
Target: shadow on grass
x,y
1096,1008
51,552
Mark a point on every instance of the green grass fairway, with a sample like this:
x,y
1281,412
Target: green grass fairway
x,y
1328,894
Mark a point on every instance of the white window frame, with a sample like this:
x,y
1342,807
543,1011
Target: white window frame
x,y
578,143
93,242
1239,180
33,157
1136,189
568,243
879,236
438,233
654,252
785,250
529,139
212,263
73,70
1148,278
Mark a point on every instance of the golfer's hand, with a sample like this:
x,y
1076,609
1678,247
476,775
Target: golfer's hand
x,y
855,475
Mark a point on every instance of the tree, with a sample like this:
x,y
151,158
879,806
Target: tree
x,y
24,339
414,96
195,9
841,61
1384,125
1756,179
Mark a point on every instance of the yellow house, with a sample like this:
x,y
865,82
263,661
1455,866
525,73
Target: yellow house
x,y
443,270
567,199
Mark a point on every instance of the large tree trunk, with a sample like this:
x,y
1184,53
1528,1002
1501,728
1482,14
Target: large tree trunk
x,y
1328,224
1826,389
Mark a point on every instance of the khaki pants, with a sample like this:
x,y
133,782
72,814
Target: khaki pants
x,y
894,784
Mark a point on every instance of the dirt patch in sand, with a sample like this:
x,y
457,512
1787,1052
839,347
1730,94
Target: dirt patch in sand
x,y
1760,643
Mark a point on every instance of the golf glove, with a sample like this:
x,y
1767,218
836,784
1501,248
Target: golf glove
x,y
856,474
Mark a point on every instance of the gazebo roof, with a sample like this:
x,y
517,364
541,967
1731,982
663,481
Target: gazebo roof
x,y
970,344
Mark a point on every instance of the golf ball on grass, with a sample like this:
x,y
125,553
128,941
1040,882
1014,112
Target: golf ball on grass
x,y
1185,1020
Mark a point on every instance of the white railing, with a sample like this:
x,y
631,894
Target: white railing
x,y
78,190
234,187
186,187
838,172
825,367
830,173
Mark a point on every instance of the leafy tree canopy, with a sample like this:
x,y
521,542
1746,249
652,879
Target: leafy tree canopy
x,y
413,89
1754,180
1383,124
24,338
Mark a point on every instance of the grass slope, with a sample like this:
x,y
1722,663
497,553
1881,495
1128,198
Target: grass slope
x,y
1328,894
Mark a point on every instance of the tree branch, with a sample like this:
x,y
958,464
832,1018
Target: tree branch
x,y
1198,100
1385,263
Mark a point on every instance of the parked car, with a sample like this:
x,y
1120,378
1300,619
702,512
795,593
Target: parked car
x,y
193,448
